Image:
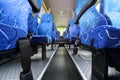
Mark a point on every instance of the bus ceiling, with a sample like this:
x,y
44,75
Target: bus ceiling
x,y
62,10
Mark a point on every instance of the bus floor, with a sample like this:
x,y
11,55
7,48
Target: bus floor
x,y
62,67
84,60
11,70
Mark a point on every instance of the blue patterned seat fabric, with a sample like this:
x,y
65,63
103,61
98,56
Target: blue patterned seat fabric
x,y
16,21
94,25
45,32
13,22
71,32
55,34
33,23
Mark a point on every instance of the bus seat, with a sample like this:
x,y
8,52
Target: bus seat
x,y
100,33
90,21
45,26
13,23
65,33
111,10
55,34
72,31
95,26
33,23
44,31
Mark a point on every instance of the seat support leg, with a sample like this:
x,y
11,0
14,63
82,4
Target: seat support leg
x,y
100,65
69,45
75,50
26,52
43,51
52,46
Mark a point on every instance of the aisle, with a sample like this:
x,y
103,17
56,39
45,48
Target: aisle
x,y
61,67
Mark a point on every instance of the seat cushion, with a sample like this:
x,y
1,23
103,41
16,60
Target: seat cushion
x,y
41,39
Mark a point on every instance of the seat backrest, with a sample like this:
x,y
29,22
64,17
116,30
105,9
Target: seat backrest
x,y
46,25
111,10
73,29
15,13
71,22
79,5
33,23
46,18
90,19
13,22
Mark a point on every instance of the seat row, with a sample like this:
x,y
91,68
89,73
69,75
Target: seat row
x,y
21,32
98,32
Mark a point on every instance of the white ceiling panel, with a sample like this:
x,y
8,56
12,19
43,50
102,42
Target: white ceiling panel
x,y
61,10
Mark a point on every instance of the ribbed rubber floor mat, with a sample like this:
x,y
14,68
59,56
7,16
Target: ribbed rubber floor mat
x,y
84,65
11,70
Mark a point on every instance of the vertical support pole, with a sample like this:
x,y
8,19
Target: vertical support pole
x,y
52,46
55,44
34,49
99,65
106,65
26,52
43,51
69,45
75,50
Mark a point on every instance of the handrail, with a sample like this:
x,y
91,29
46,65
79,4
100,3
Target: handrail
x,y
34,5
44,6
